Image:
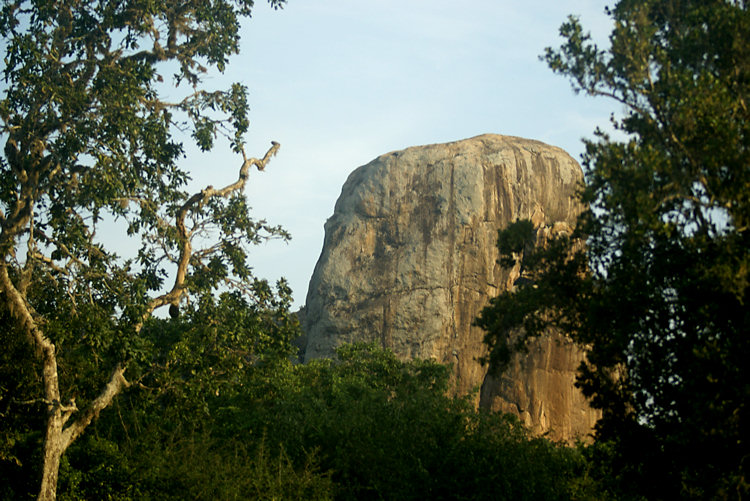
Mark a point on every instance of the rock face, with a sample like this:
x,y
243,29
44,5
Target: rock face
x,y
409,261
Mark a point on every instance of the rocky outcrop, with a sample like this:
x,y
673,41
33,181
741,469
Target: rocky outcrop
x,y
409,260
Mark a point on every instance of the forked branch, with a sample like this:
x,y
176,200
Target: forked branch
x,y
196,202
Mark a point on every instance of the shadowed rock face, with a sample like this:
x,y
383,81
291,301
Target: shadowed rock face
x,y
409,261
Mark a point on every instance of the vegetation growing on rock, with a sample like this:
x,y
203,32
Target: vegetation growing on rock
x,y
658,296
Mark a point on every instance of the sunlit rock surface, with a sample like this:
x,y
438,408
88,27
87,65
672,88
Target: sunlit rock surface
x,y
409,261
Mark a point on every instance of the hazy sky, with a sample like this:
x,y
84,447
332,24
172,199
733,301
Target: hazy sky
x,y
338,83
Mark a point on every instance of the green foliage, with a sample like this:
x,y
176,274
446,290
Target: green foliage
x,y
206,352
658,298
21,414
189,368
515,239
387,429
156,466
89,139
362,426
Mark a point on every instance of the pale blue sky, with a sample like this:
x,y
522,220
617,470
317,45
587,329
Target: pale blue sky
x,y
338,83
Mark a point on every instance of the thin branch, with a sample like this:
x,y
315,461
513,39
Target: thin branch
x,y
197,201
115,385
48,261
62,248
32,401
68,410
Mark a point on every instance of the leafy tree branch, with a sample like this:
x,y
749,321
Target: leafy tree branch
x,y
89,139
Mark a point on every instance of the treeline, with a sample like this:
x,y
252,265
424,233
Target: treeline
x,y
225,414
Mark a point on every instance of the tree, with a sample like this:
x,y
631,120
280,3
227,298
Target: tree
x,y
172,435
389,429
658,297
89,139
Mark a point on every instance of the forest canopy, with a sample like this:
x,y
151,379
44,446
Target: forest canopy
x,y
654,282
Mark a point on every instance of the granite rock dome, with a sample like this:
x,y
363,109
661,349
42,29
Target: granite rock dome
x,y
409,260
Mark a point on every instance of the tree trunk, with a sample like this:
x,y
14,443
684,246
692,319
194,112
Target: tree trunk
x,y
59,436
54,442
53,451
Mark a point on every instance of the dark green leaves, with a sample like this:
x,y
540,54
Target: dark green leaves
x,y
659,296
513,240
90,141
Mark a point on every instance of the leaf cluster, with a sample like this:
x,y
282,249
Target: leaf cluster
x,y
658,297
90,140
361,426
387,429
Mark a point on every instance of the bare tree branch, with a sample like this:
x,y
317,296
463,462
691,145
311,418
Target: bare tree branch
x,y
196,202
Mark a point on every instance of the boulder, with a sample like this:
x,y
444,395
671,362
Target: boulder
x,y
409,260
